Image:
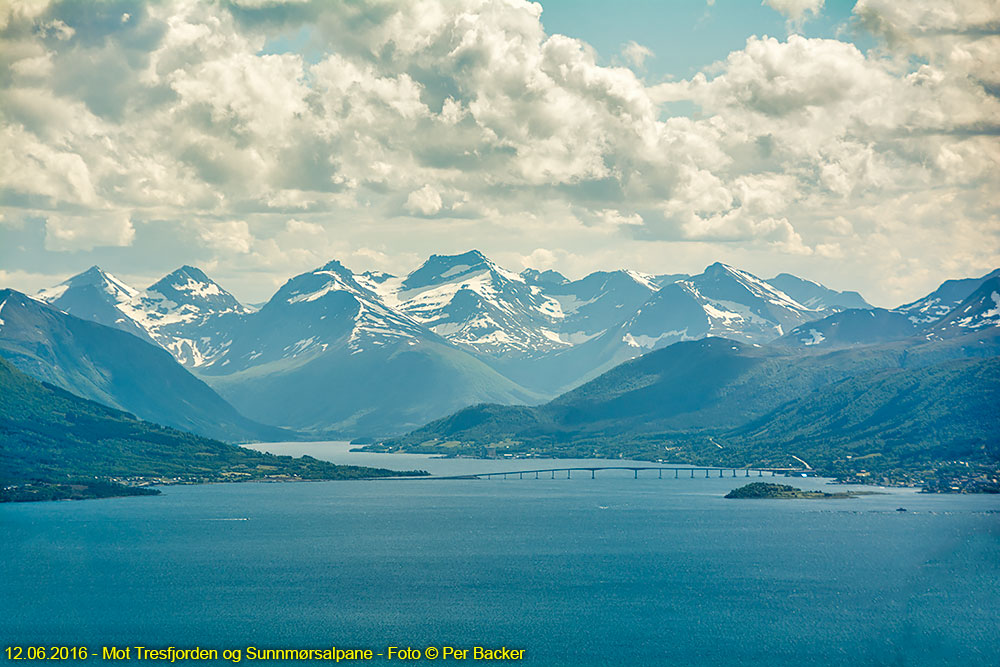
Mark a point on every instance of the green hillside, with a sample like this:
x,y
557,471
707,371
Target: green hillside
x,y
901,411
118,369
49,435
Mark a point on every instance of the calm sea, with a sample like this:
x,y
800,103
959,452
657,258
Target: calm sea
x,y
610,571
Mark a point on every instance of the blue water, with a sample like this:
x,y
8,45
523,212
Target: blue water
x,y
576,572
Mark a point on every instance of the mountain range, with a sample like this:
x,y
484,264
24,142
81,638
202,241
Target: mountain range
x,y
901,411
335,352
954,309
339,353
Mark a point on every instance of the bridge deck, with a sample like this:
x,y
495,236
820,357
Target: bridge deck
x,y
677,470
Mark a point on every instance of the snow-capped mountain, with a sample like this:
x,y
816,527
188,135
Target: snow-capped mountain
x,y
185,312
327,353
818,297
478,305
935,315
309,314
100,297
981,310
345,352
595,303
944,299
723,301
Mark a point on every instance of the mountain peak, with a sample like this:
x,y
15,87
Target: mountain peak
x,y
547,277
790,277
334,266
95,277
979,311
716,268
447,268
189,285
472,258
816,295
470,255
180,275
193,272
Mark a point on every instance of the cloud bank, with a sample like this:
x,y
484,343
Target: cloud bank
x,y
226,121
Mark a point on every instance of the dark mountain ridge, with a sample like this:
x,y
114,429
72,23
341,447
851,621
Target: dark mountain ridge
x,y
117,369
51,436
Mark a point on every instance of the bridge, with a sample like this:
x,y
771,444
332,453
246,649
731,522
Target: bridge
x,y
708,471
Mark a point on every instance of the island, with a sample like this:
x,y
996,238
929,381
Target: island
x,y
783,491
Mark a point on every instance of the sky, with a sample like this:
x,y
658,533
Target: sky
x,y
855,144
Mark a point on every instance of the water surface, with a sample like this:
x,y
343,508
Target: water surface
x,y
576,572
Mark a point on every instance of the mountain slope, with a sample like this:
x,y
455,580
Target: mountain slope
x,y
479,306
907,417
50,435
938,315
711,384
981,310
816,296
185,312
756,401
722,301
944,299
327,354
117,369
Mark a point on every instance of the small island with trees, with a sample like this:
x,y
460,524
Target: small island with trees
x,y
783,491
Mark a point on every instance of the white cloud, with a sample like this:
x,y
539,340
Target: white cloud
x,y
425,201
11,222
71,233
615,218
468,109
795,10
636,53
539,258
230,236
299,227
57,29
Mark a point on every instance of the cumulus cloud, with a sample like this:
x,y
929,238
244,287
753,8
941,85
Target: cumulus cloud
x,y
469,109
67,233
230,236
425,201
301,227
795,10
539,258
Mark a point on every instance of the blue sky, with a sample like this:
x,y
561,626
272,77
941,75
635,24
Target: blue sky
x,y
850,143
687,36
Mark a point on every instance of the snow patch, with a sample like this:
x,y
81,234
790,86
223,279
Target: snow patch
x,y
645,342
455,270
815,338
